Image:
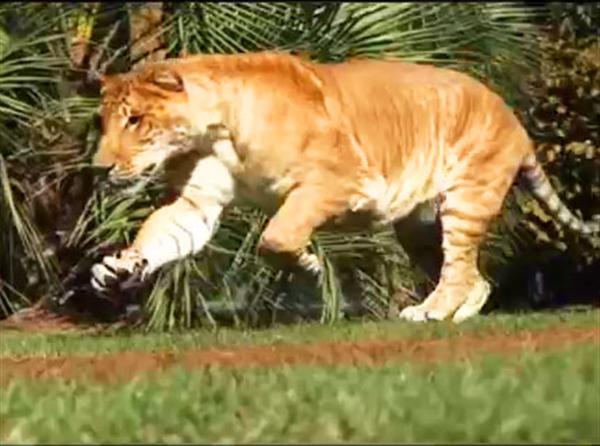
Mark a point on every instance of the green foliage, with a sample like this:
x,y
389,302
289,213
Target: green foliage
x,y
559,109
563,117
78,221
28,71
574,20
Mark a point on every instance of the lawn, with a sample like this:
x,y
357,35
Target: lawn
x,y
18,344
530,395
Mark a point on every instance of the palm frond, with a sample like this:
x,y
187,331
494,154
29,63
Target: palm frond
x,y
490,40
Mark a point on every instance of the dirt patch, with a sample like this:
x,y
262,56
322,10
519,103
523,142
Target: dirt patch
x,y
126,365
38,319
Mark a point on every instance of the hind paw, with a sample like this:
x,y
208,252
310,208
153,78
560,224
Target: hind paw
x,y
419,313
474,303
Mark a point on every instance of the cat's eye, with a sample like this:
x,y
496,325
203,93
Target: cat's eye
x,y
134,120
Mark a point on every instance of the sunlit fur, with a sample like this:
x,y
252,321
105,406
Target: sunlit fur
x,y
318,144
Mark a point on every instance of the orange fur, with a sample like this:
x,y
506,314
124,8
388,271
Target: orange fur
x,y
317,144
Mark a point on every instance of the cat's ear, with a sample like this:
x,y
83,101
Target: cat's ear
x,y
111,81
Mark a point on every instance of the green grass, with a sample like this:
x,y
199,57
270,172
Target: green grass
x,y
522,397
528,398
19,344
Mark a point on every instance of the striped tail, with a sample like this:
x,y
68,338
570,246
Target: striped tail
x,y
542,189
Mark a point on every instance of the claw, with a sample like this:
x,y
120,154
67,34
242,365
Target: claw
x,y
123,270
310,262
102,277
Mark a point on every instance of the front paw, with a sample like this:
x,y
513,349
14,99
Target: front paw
x,y
118,272
311,263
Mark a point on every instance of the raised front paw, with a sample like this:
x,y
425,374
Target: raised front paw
x,y
125,269
310,263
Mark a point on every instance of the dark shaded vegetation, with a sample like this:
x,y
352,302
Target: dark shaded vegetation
x,y
57,219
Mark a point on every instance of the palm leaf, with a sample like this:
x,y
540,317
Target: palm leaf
x,y
484,39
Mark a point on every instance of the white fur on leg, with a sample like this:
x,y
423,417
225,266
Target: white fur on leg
x,y
187,230
185,233
183,229
173,232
